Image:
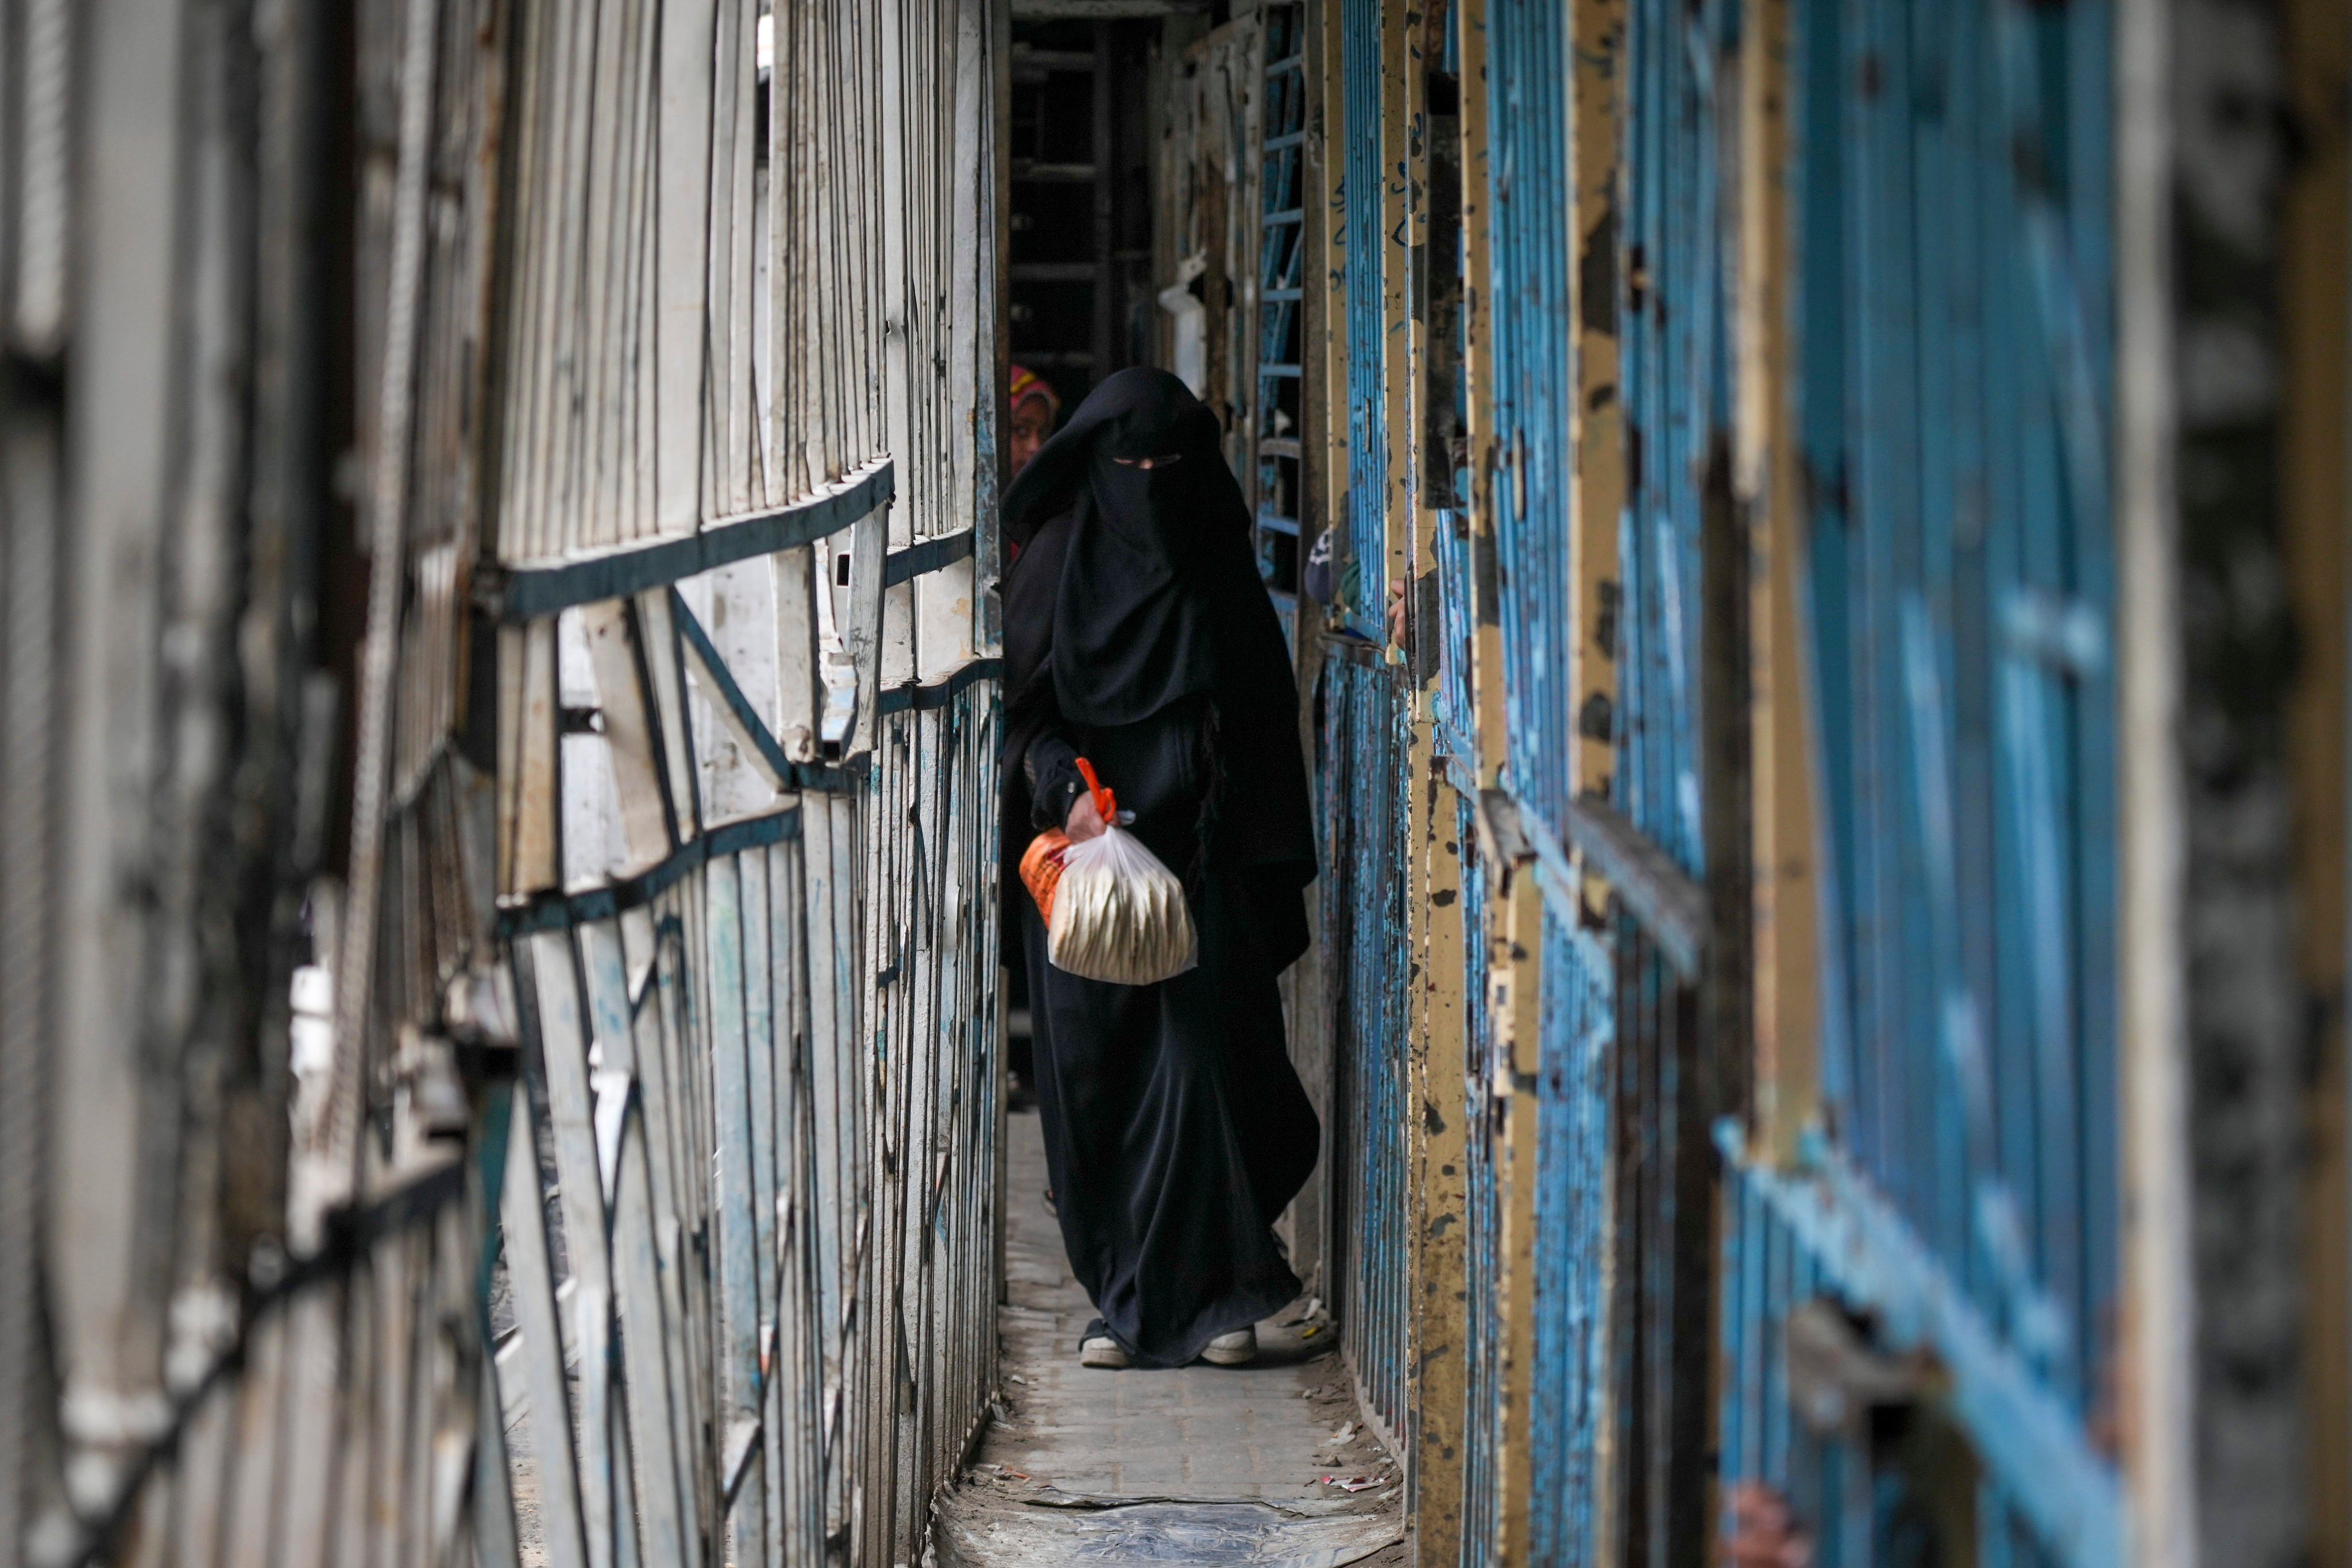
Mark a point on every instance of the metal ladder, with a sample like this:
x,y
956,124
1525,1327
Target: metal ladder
x,y
1282,138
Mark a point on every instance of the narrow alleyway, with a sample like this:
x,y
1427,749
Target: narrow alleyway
x,y
1206,1465
1811,543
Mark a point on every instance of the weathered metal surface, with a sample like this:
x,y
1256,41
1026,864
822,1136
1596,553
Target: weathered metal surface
x,y
1958,587
1365,66
1574,1215
1481,1423
1514,997
1853,1246
1662,896
1770,481
162,523
797,1044
1364,827
1611,252
1445,974
1674,1065
1468,710
530,591
722,791
1435,1116
847,1190
1532,253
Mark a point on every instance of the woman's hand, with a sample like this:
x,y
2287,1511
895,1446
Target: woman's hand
x,y
1085,820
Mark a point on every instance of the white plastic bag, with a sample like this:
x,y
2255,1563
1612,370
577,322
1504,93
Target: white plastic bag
x,y
1118,914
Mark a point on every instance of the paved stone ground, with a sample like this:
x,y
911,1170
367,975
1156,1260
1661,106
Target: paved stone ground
x,y
1200,1465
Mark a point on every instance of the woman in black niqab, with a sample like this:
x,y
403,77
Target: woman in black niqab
x,y
1139,635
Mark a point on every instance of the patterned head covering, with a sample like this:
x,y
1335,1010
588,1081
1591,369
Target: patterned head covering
x,y
1027,382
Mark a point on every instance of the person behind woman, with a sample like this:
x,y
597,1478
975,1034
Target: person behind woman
x,y
1139,635
1035,405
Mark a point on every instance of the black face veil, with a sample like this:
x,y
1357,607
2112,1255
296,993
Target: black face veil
x,y
1155,559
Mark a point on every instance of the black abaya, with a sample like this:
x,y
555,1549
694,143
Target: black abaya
x,y
1176,1129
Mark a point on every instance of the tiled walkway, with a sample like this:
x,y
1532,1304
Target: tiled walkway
x,y
1206,1465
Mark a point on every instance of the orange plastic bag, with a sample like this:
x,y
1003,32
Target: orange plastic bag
x,y
1041,868
1113,912
1041,863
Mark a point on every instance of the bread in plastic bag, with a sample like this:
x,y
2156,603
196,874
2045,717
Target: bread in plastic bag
x,y
1113,912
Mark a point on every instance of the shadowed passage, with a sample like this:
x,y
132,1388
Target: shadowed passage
x,y
1201,1464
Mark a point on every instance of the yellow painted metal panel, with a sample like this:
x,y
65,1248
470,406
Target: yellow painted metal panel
x,y
1440,1172
1478,377
1771,489
1515,998
1596,108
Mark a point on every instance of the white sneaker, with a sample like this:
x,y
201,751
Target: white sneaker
x,y
1236,1348
1101,1351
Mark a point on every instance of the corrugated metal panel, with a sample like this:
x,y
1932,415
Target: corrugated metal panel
x,y
1946,306
1481,1260
1826,1291
797,1183
1952,196
192,1365
1364,924
1674,391
1660,1314
1574,1233
1533,246
747,898
1453,708
643,1075
1969,751
1623,1295
1673,366
1361,29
